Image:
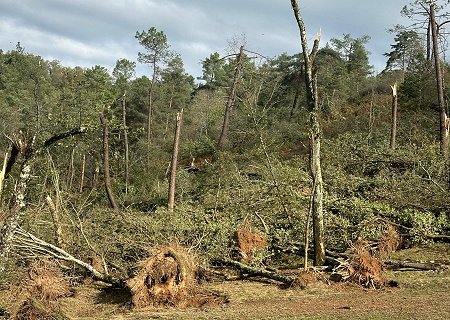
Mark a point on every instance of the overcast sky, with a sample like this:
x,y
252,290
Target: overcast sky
x,y
91,32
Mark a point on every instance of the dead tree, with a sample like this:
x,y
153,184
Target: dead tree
x,y
394,117
443,119
125,140
231,99
107,176
26,148
173,164
315,136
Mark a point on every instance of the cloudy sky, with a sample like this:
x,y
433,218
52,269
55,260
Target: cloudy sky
x,y
91,32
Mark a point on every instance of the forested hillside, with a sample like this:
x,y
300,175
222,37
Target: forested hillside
x,y
90,163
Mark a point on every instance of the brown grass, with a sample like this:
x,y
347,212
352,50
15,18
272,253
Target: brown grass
x,y
168,278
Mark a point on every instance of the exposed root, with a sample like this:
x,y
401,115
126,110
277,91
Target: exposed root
x,y
32,309
389,242
168,278
364,268
248,242
45,282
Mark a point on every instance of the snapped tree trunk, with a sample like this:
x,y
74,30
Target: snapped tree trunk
x,y
107,177
173,164
394,117
231,100
59,240
13,217
315,137
2,174
15,212
444,122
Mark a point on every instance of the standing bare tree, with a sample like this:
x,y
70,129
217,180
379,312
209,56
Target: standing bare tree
x,y
173,164
315,136
444,122
394,117
107,176
123,72
231,99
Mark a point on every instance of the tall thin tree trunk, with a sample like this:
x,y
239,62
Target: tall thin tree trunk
x,y
59,240
150,107
429,45
14,215
71,170
83,173
394,117
444,125
173,169
315,137
106,173
231,99
125,141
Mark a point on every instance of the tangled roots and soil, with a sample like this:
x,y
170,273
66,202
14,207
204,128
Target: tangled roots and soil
x,y
389,242
32,309
248,242
168,278
45,282
364,268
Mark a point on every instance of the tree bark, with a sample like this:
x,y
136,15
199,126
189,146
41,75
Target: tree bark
x,y
125,141
315,137
231,100
444,122
257,272
14,215
2,174
83,173
173,170
394,117
56,222
107,177
150,106
71,170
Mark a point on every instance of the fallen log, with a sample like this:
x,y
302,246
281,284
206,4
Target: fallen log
x,y
424,266
25,242
257,272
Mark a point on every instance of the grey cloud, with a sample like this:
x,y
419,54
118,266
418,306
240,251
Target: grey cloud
x,y
100,32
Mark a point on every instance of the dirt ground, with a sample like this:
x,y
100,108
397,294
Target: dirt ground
x,y
420,295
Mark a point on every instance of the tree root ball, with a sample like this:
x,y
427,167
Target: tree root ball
x,y
168,279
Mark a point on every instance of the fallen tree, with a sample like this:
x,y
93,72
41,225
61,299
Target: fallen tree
x,y
26,243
